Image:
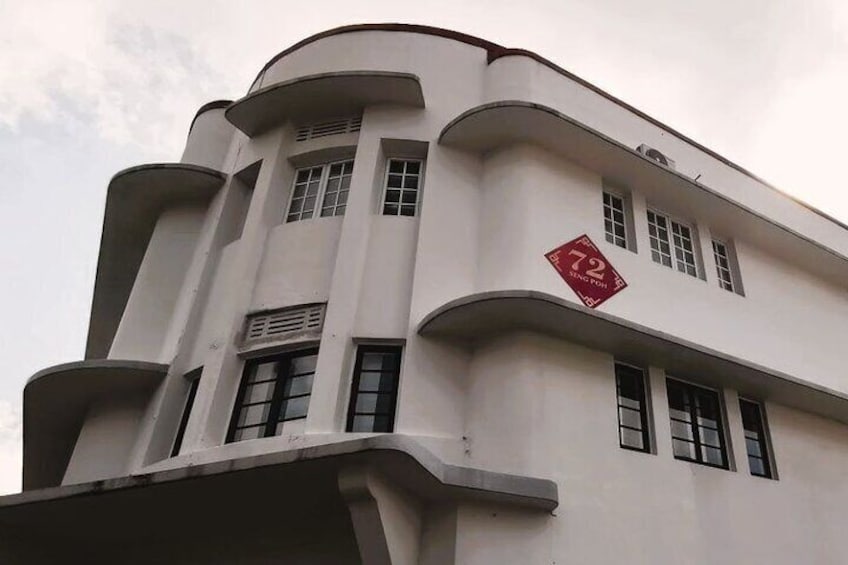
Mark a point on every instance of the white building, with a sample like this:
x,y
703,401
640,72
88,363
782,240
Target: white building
x,y
330,334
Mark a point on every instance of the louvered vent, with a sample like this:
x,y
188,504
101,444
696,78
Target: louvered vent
x,y
285,323
323,129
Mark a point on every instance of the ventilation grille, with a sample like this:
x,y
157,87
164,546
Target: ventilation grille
x,y
281,324
323,129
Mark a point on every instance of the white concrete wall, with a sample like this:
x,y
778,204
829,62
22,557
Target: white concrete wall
x,y
106,439
209,140
547,408
151,303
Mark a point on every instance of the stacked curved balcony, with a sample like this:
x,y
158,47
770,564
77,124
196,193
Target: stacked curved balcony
x,y
81,419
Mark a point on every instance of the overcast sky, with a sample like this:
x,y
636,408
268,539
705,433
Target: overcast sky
x,y
90,87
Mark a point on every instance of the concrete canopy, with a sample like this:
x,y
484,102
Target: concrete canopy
x,y
55,403
134,200
291,491
480,317
498,124
324,95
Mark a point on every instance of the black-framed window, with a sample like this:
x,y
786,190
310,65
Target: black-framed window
x,y
756,443
633,428
615,223
697,432
373,396
194,381
402,187
274,390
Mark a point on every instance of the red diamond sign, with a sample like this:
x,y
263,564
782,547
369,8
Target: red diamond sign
x,y
585,269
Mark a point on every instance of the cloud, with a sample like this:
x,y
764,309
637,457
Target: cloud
x,y
11,448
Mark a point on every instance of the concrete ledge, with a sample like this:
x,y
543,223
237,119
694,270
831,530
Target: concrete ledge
x,y
134,200
55,403
480,317
499,124
400,458
325,95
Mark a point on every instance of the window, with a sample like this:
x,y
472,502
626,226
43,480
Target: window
x,y
194,381
615,227
696,424
374,391
756,444
666,234
633,431
403,180
274,390
325,184
722,261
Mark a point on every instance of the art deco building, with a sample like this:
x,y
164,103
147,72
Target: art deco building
x,y
417,298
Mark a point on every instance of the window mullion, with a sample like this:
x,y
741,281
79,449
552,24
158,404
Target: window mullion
x,y
282,372
693,415
322,188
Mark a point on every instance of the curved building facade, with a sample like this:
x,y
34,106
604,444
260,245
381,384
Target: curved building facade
x,y
417,298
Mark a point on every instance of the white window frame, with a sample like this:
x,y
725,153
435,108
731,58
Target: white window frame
x,y
724,273
675,262
624,224
318,208
417,205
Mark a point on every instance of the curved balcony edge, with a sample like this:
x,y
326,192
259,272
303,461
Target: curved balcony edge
x,y
480,317
400,458
213,105
135,198
502,123
55,404
323,95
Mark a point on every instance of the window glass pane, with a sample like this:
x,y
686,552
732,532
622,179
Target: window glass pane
x,y
406,210
376,382
253,415
262,372
712,455
261,392
757,466
410,182
366,402
683,449
303,365
753,447
396,166
630,418
248,433
682,430
393,196
631,438
298,385
413,167
363,424
294,408
390,210
395,181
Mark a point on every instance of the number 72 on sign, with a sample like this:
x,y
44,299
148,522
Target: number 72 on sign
x,y
585,269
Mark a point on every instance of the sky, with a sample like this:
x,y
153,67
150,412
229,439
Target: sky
x,y
90,87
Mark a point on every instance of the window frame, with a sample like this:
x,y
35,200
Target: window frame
x,y
276,402
721,423
764,440
193,377
318,208
675,262
361,350
644,412
728,267
606,191
418,191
